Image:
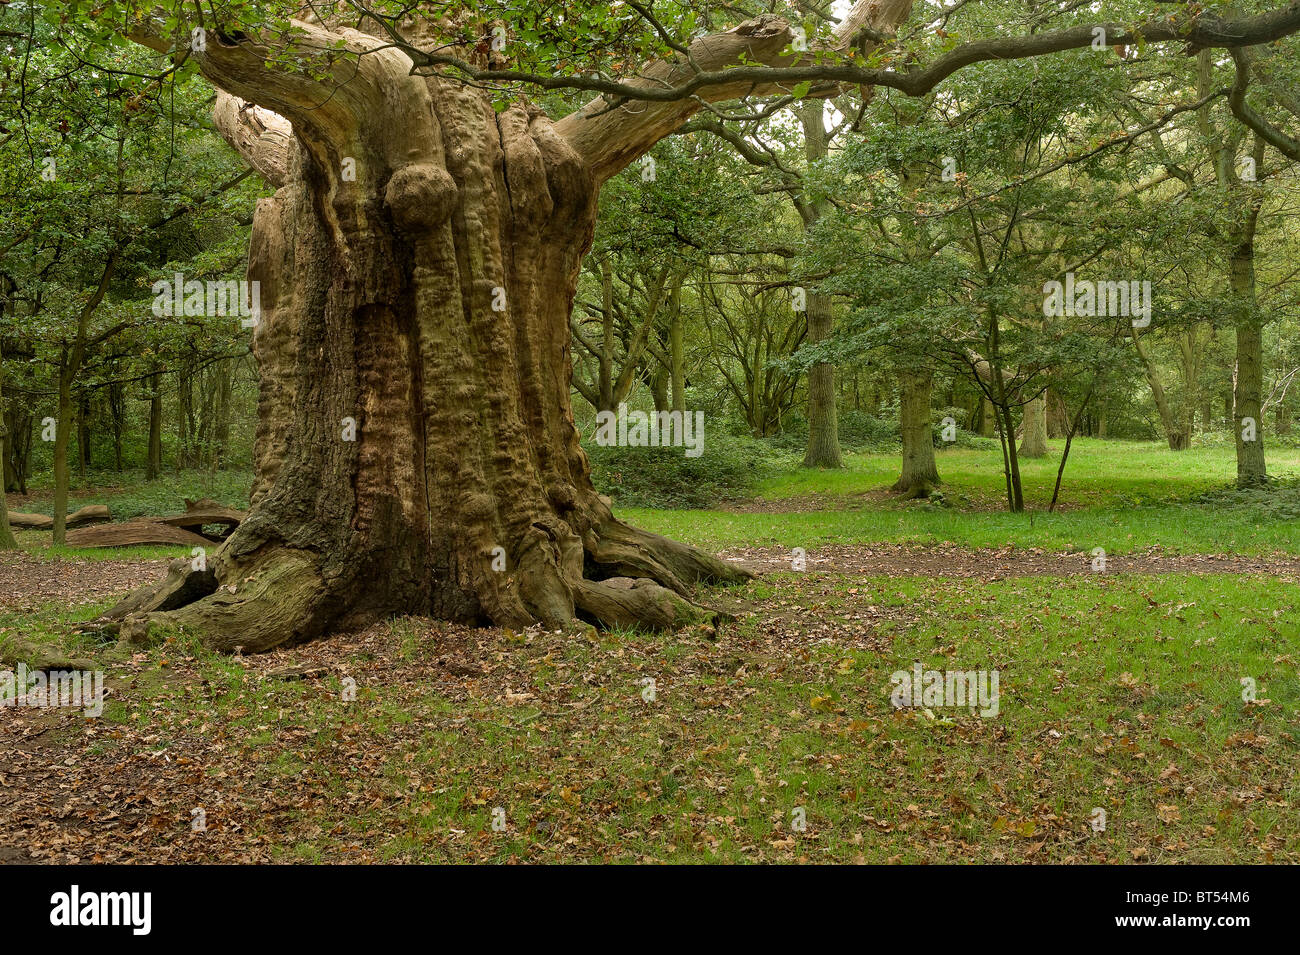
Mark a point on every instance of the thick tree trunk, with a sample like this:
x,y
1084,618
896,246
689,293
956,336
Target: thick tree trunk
x,y
920,475
1033,441
416,451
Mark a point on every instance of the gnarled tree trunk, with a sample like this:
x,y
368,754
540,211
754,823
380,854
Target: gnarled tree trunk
x,y
416,451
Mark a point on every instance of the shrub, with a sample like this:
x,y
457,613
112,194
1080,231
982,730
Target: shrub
x,y
665,477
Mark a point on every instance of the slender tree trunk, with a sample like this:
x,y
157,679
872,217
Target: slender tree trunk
x,y
62,432
1249,391
185,431
823,422
153,456
221,414
920,475
7,541
677,352
83,435
116,402
1179,440
17,463
606,373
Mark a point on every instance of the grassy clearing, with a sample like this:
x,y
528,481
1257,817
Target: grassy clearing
x,y
1121,496
1182,529
1117,693
1099,474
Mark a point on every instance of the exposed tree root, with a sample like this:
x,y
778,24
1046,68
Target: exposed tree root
x,y
280,595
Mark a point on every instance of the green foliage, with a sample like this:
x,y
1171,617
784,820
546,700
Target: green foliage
x,y
665,477
128,495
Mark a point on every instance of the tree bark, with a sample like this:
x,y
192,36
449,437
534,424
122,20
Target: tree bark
x,y
1033,441
153,455
7,540
823,422
1248,394
920,475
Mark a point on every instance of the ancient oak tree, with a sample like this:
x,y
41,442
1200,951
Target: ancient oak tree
x,y
416,451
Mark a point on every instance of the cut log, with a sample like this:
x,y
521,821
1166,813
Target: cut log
x,y
90,514
134,532
40,522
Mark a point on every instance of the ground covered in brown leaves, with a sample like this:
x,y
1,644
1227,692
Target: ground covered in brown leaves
x,y
771,740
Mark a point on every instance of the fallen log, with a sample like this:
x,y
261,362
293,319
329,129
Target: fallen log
x,y
143,531
199,513
40,522
89,514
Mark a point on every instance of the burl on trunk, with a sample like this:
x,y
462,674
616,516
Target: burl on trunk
x,y
416,451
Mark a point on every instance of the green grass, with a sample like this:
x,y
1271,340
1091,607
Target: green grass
x,y
1104,474
1120,693
1122,496
1184,529
129,495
